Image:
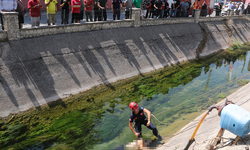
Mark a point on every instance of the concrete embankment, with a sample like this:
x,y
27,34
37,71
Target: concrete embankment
x,y
35,71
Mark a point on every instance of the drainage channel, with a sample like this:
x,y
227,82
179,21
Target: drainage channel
x,y
98,119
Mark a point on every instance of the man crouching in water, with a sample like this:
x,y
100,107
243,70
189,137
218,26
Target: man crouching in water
x,y
138,116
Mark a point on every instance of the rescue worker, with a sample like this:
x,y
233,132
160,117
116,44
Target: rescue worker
x,y
137,115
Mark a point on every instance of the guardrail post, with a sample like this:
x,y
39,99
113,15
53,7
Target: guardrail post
x,y
136,16
197,15
230,12
10,23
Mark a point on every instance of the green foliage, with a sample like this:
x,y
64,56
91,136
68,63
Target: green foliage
x,y
177,147
236,45
222,95
14,133
61,147
242,82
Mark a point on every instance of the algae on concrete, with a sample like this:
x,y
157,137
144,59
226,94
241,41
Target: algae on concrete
x,y
74,122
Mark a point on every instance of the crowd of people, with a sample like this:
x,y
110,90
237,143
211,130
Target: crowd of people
x,y
149,9
235,8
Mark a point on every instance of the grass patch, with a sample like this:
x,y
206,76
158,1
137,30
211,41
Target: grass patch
x,y
236,45
242,82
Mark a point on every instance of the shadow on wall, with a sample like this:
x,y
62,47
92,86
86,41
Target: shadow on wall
x,y
242,29
46,68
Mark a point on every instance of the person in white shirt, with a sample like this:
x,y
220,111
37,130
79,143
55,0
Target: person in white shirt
x,y
7,6
229,7
241,8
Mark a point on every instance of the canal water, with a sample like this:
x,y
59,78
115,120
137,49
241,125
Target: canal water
x,y
98,119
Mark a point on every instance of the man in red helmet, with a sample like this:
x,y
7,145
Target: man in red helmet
x,y
138,116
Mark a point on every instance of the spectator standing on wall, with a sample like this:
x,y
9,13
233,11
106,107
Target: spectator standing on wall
x,y
103,5
97,16
166,11
218,9
162,8
21,12
241,8
184,7
188,9
52,8
233,8
128,9
35,12
148,8
178,8
65,4
152,9
137,3
88,9
81,10
237,10
196,5
204,9
116,5
173,10
144,9
229,7
7,6
158,6
248,9
75,11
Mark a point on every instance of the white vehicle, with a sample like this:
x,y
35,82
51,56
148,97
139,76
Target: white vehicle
x,y
224,9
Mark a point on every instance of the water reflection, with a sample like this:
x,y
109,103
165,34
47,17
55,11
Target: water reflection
x,y
248,67
230,71
209,76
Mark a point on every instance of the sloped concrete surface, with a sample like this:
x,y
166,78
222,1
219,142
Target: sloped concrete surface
x,y
39,70
210,128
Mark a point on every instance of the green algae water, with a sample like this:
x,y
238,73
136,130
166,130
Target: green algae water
x,y
98,119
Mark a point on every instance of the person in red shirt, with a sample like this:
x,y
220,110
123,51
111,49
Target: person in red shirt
x,y
35,12
75,11
88,9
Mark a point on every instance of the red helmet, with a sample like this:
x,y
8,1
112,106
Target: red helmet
x,y
133,105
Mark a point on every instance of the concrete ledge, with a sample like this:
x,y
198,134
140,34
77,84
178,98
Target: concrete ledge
x,y
149,22
207,19
9,13
62,29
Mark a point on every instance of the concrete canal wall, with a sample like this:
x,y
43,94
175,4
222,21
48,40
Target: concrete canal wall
x,y
44,68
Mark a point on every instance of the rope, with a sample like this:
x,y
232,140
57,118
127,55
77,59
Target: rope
x,y
169,123
191,127
194,125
